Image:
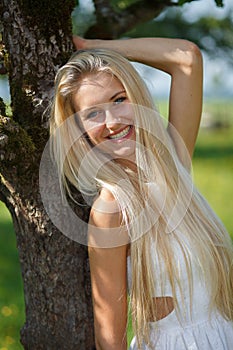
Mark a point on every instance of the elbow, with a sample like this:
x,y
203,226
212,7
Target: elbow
x,y
194,54
106,344
193,61
108,339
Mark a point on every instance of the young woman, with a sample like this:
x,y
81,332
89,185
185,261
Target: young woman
x,y
151,234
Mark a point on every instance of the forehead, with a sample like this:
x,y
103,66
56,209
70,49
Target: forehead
x,y
95,89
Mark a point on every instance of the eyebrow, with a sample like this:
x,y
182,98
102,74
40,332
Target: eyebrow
x,y
116,94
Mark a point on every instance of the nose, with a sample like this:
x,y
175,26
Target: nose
x,y
110,119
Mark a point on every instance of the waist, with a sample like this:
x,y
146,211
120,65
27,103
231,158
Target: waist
x,y
176,322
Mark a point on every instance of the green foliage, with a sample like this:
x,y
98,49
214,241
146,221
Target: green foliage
x,y
123,4
218,33
86,14
219,3
182,2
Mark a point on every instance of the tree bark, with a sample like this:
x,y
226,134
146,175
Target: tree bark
x,y
55,269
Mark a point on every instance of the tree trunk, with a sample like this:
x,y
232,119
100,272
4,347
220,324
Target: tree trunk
x,y
55,269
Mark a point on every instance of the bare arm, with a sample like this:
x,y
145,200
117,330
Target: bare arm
x,y
179,58
108,279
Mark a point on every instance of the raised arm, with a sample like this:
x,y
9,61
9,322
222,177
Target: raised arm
x,y
108,280
182,60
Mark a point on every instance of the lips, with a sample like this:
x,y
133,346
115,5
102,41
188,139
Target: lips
x,y
122,134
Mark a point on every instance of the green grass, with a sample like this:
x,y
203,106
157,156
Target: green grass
x,y
213,175
11,290
213,160
213,171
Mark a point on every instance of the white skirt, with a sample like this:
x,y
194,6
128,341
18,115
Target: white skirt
x,y
214,334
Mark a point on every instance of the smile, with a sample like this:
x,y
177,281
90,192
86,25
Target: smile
x,y
123,133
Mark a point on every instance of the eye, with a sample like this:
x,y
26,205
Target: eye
x,y
119,100
93,114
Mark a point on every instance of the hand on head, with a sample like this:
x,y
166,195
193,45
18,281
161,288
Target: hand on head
x,y
79,42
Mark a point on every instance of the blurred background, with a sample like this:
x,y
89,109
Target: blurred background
x,y
211,27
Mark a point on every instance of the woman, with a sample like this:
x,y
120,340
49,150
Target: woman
x,y
147,221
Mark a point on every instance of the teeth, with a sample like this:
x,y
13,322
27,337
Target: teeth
x,y
120,134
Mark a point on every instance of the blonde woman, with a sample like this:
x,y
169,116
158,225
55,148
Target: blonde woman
x,y
151,234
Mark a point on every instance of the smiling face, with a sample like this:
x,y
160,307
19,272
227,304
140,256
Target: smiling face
x,y
106,114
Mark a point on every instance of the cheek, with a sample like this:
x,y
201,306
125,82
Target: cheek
x,y
94,133
127,114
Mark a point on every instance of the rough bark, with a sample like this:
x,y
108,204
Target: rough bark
x,y
55,269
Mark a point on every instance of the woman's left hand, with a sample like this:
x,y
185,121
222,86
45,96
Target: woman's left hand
x,y
79,42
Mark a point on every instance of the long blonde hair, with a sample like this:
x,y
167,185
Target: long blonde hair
x,y
159,166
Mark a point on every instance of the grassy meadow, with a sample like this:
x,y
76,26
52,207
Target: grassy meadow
x,y
11,289
213,175
213,160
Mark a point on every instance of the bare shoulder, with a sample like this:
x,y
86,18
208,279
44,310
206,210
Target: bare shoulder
x,y
105,228
105,210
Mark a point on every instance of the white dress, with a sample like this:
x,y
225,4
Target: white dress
x,y
195,329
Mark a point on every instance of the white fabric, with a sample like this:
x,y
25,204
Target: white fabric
x,y
195,328
216,334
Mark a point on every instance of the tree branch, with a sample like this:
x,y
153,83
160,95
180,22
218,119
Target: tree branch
x,y
111,24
